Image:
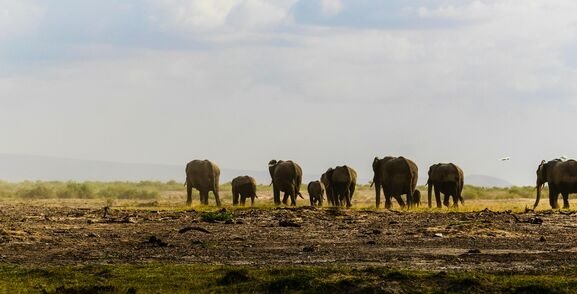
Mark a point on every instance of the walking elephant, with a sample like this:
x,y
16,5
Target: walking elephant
x,y
328,188
395,176
343,181
446,178
316,190
561,176
243,187
286,177
202,175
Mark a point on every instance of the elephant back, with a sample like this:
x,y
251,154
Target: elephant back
x,y
343,174
446,172
202,173
243,180
287,169
566,171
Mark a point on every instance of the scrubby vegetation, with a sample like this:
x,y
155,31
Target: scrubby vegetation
x,y
144,190
152,190
170,278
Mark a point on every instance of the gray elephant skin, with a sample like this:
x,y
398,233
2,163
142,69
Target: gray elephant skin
x,y
448,179
202,175
561,176
396,176
343,181
286,177
243,187
328,189
316,191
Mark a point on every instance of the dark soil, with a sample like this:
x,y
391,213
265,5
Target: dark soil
x,y
487,241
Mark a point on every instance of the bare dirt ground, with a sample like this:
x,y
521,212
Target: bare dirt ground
x,y
542,241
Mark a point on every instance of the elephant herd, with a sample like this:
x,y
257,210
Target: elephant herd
x,y
394,176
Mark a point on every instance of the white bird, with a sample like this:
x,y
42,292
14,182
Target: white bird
x,y
505,158
563,157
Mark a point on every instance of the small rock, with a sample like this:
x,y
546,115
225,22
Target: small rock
x,y
239,222
309,249
474,251
197,242
157,242
535,220
93,235
438,235
288,223
229,222
371,242
393,222
542,239
377,231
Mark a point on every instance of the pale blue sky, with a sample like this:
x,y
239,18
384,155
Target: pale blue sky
x,y
322,82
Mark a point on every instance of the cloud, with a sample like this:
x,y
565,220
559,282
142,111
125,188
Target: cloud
x,y
19,18
199,16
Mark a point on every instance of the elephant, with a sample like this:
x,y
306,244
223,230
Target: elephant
x,y
243,187
446,178
202,175
561,177
343,181
328,187
417,198
395,176
286,177
316,190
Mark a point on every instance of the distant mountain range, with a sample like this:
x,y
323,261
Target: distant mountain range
x,y
16,168
26,167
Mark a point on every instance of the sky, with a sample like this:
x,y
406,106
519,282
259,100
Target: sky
x,y
322,82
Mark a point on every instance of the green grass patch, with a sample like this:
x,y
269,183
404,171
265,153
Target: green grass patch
x,y
195,278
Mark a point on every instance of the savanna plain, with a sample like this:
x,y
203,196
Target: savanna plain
x,y
121,237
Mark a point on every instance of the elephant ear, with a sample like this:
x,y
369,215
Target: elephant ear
x,y
271,167
375,164
542,171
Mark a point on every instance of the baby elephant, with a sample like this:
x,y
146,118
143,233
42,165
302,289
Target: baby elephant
x,y
417,198
243,187
316,190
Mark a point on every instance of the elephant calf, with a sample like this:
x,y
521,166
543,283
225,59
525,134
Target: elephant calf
x,y
243,187
316,190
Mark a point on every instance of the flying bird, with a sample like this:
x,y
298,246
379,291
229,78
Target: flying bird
x,y
505,158
563,157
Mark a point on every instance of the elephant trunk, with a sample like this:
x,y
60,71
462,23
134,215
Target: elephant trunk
x,y
539,187
429,195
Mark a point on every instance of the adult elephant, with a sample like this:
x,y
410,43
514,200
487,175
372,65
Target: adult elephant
x,y
243,187
446,178
286,177
395,176
202,175
562,179
328,188
343,181
316,190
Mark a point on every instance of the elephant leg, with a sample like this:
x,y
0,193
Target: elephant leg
x,y
348,198
242,199
553,195
235,196
400,200
285,198
446,199
438,197
204,197
216,197
312,200
293,196
276,196
565,200
188,194
388,203
252,200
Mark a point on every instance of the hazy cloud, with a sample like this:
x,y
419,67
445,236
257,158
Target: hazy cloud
x,y
322,82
